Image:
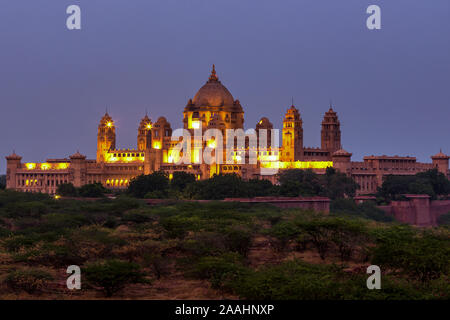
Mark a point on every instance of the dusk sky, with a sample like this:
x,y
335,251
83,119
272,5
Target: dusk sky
x,y
390,87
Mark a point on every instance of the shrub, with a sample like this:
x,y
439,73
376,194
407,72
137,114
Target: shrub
x,y
113,275
140,186
422,256
93,190
221,271
29,280
67,190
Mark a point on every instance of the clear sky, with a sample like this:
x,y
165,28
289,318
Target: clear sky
x,y
390,87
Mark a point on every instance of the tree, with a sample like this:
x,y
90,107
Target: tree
x,y
295,182
113,275
66,190
93,190
218,187
2,182
181,180
158,181
338,185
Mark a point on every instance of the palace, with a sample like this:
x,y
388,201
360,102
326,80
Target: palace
x,y
213,107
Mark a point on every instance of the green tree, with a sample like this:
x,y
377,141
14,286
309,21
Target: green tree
x,y
93,190
113,275
140,186
2,182
218,187
295,182
66,190
338,185
181,180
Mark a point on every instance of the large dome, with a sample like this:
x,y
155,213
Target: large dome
x,y
213,93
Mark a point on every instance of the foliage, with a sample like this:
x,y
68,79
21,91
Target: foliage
x,y
334,184
181,180
29,280
431,182
423,256
367,210
2,182
67,190
93,190
113,275
140,186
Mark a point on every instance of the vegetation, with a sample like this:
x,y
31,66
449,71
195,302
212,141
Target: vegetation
x,y
93,190
430,182
2,182
243,251
293,183
113,275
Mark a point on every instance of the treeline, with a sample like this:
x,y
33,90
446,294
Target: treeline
x,y
431,182
293,183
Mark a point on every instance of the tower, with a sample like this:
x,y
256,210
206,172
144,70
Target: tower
x,y
144,138
106,137
13,165
292,136
331,132
440,161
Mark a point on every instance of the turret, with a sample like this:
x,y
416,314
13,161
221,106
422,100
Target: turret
x,y
342,161
13,162
264,124
144,138
292,135
106,137
440,161
331,132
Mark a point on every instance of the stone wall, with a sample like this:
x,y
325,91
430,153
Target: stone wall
x,y
417,210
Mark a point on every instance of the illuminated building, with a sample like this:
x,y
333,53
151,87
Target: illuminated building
x,y
213,107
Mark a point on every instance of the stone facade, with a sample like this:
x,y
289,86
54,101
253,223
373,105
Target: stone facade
x,y
213,107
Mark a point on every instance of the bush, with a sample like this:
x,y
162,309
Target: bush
x,y
29,280
113,275
221,271
67,190
422,256
93,190
140,186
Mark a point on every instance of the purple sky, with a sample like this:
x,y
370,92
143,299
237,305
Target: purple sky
x,y
391,88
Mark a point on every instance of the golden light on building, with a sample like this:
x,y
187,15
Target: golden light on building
x,y
149,126
156,145
109,124
170,176
46,166
195,124
212,144
30,166
297,164
62,166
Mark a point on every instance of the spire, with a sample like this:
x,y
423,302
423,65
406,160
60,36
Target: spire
x,y
331,105
213,76
292,102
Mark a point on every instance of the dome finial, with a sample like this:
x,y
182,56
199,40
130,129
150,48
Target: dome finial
x,y
213,76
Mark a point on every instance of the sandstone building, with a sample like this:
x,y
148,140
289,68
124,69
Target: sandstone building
x,y
213,107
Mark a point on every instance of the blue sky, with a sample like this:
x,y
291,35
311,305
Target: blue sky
x,y
390,87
